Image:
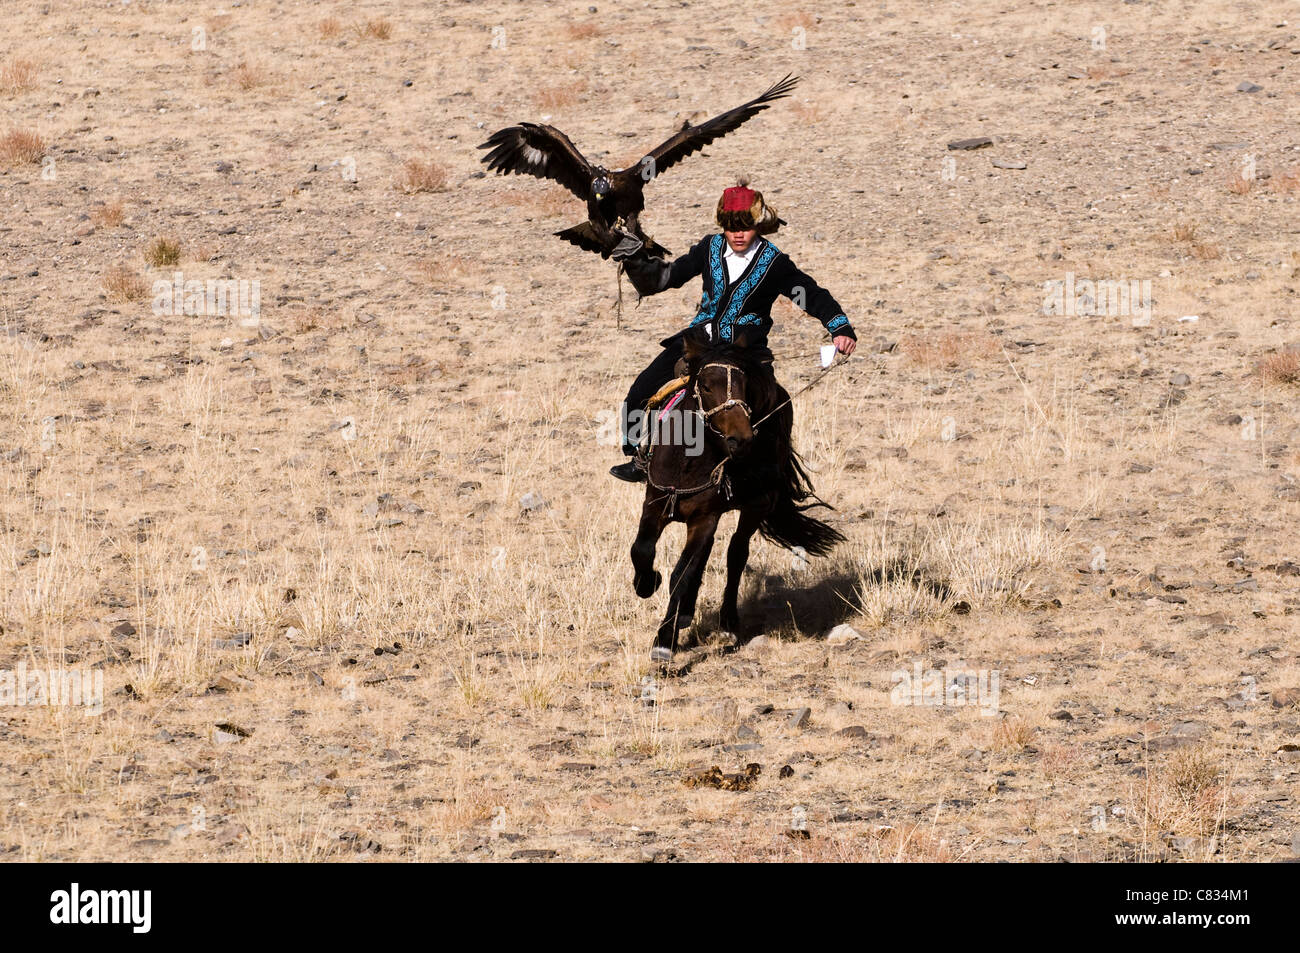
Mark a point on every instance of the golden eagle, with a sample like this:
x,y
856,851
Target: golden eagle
x,y
614,199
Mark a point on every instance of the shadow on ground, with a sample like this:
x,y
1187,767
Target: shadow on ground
x,y
808,604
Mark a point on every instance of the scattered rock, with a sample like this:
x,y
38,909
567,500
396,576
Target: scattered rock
x,y
1246,86
854,731
1285,697
227,733
979,142
799,718
842,635
361,842
714,778
230,682
1008,164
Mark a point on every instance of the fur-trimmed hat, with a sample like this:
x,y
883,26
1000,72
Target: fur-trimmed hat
x,y
742,208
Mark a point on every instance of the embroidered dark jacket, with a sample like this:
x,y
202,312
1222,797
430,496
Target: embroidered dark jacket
x,y
748,301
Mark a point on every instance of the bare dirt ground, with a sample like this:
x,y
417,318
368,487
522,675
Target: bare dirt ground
x,y
300,548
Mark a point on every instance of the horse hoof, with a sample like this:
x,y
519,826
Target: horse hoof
x,y
725,638
661,655
647,586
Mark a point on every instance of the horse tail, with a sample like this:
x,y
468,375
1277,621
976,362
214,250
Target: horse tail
x,y
787,524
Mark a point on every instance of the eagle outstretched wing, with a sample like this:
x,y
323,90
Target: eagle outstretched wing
x,y
543,151
693,138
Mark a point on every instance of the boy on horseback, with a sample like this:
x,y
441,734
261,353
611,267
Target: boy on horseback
x,y
742,275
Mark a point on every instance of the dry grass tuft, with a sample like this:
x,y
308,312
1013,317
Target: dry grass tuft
x,y
1239,184
249,76
1282,367
109,215
948,348
807,114
1185,231
423,175
1185,796
1012,734
120,283
21,147
1206,251
377,28
445,271
583,31
1288,182
18,75
800,18
163,252
330,27
560,96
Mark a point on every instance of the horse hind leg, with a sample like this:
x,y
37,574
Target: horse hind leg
x,y
737,558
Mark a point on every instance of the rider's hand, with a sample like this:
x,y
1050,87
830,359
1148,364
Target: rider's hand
x,y
844,344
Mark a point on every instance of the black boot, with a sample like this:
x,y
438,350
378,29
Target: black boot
x,y
628,471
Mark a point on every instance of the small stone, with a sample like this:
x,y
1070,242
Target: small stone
x,y
1246,86
123,630
842,635
227,733
1061,715
1008,164
799,718
231,682
1180,380
979,142
531,501
854,731
1285,697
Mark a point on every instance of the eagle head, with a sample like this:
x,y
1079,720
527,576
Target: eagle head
x,y
600,187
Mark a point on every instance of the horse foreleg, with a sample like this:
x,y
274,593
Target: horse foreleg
x,y
737,557
684,584
644,578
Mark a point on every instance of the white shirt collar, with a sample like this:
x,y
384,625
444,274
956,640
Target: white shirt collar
x,y
746,255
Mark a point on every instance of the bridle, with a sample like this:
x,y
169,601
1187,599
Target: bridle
x,y
726,404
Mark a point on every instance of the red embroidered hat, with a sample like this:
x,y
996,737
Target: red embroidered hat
x,y
742,208
738,199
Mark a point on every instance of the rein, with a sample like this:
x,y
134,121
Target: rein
x,y
718,476
807,387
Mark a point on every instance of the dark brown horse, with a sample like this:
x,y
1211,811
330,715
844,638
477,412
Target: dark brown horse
x,y
741,460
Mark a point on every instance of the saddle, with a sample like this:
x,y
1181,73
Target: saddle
x,y
665,398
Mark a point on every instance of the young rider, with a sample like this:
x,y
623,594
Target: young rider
x,y
742,275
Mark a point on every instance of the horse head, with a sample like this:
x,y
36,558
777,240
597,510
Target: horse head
x,y
729,384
